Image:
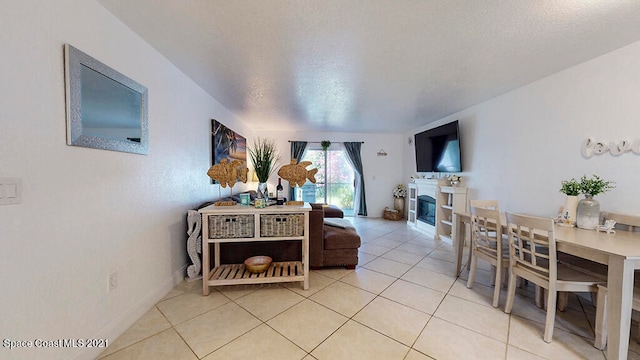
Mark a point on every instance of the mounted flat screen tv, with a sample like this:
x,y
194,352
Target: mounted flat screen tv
x,y
438,149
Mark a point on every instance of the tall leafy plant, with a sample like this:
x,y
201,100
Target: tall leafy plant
x,y
264,155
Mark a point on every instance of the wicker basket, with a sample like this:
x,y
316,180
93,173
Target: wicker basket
x,y
272,225
230,226
392,214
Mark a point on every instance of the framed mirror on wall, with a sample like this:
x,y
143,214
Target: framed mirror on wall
x,y
105,109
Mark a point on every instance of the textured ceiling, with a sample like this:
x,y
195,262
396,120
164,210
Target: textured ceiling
x,y
372,65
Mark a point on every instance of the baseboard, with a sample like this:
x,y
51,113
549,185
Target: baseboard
x,y
120,324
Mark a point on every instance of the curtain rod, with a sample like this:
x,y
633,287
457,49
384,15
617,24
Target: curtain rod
x,y
318,142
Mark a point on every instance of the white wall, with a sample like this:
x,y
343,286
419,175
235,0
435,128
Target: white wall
x,y
518,147
86,212
382,173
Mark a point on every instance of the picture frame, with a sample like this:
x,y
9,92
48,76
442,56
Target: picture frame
x,y
226,144
105,109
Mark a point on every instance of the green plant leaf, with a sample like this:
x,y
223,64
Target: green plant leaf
x,y
570,187
263,155
595,185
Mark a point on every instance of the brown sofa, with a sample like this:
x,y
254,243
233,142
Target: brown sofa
x,y
328,245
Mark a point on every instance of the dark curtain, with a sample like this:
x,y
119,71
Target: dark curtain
x,y
297,152
353,155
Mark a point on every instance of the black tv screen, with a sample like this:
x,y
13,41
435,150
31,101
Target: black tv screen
x,y
438,149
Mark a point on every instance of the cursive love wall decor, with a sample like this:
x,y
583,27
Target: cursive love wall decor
x,y
592,147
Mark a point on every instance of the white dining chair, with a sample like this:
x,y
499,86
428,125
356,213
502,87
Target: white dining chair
x,y
532,254
487,244
485,204
479,203
624,222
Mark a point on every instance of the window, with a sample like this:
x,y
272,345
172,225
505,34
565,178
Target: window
x,y
334,180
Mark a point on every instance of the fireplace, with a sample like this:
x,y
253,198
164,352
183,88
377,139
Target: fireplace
x,y
427,209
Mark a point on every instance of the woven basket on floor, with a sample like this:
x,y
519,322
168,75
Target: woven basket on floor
x,y
392,214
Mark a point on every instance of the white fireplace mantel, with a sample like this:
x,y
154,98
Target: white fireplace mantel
x,y
420,187
428,186
447,200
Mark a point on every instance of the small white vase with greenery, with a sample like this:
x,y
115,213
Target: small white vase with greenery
x,y
264,156
571,188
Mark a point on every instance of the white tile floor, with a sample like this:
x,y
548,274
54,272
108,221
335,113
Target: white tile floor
x,y
401,302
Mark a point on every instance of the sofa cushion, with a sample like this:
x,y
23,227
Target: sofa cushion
x,y
333,211
338,238
330,211
252,195
339,222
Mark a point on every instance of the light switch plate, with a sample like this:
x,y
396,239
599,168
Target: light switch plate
x,y
10,191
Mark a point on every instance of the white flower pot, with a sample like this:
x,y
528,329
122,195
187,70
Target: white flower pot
x,y
398,204
570,209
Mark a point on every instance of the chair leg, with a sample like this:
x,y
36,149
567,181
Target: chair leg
x,y
552,297
522,283
498,285
601,319
470,251
505,277
511,293
563,300
493,274
472,271
539,297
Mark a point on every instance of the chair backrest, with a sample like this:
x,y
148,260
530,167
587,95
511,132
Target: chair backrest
x,y
485,204
486,231
631,222
532,245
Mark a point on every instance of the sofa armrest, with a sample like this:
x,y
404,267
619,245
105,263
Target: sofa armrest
x,y
333,211
316,237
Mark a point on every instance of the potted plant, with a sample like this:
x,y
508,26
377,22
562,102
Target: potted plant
x,y
595,185
571,188
588,212
263,155
399,193
325,144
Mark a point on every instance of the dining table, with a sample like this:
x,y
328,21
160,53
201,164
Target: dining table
x,y
619,250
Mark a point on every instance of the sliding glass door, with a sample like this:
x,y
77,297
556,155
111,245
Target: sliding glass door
x,y
334,180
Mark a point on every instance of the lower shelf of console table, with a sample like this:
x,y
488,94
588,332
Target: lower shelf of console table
x,y
235,274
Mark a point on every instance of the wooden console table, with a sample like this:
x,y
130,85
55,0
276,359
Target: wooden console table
x,y
246,223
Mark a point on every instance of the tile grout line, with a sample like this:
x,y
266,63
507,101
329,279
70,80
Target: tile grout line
x,y
376,296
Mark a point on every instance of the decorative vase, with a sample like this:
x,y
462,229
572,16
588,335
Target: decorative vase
x,y
588,213
263,193
398,204
570,209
